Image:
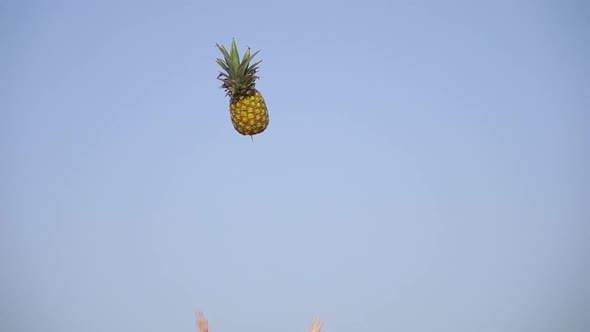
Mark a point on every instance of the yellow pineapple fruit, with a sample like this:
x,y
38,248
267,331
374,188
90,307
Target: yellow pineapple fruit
x,y
247,108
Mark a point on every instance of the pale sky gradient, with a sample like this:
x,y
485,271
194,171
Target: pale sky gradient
x,y
425,168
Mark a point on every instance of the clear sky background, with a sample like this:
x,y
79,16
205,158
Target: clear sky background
x,y
425,167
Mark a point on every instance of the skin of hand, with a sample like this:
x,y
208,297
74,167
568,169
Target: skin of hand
x,y
316,325
202,322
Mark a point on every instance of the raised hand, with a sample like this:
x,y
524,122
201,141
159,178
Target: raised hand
x,y
316,325
202,323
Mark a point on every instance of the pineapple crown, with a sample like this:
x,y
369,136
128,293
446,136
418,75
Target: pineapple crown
x,y
239,76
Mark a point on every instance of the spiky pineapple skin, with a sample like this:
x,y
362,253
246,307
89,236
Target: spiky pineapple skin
x,y
249,114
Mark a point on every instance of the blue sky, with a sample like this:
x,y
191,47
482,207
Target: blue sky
x,y
425,167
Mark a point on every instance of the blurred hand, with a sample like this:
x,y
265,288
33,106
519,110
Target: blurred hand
x,y
202,323
316,325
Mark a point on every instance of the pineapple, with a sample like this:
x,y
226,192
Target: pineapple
x,y
246,106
